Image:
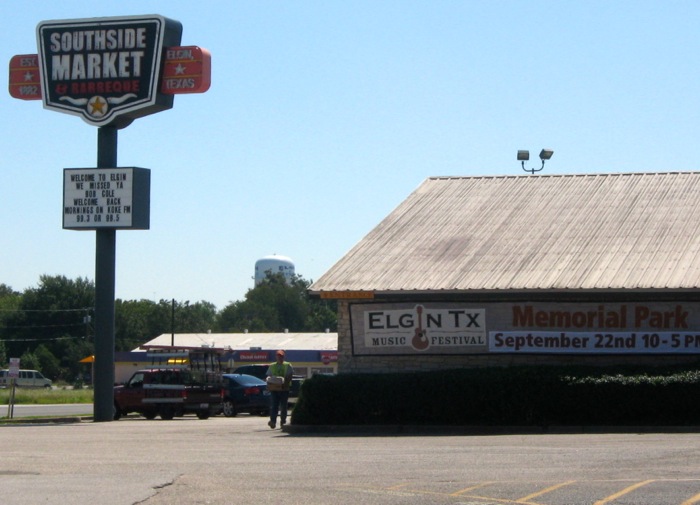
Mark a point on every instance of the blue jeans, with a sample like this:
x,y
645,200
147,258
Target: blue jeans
x,y
278,402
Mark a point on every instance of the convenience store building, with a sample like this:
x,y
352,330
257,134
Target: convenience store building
x,y
309,352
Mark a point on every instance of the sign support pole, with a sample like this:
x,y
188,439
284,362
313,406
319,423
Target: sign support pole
x,y
105,260
11,406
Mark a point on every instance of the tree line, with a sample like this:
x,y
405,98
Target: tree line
x,y
51,327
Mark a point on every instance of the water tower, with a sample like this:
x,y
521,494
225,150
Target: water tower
x,y
274,264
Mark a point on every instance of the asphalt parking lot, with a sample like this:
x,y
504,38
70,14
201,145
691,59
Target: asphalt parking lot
x,y
242,461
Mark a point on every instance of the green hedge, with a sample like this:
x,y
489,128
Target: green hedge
x,y
515,396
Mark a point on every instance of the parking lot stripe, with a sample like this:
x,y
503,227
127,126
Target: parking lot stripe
x,y
623,492
399,486
544,491
466,490
692,500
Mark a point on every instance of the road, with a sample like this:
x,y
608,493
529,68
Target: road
x,y
241,461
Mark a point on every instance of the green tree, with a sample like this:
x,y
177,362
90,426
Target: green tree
x,y
195,318
137,322
49,365
134,323
323,316
6,290
29,360
51,314
70,352
50,326
3,355
277,304
10,301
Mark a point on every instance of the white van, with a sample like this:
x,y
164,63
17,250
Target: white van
x,y
26,379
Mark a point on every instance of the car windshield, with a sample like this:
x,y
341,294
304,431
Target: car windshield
x,y
247,380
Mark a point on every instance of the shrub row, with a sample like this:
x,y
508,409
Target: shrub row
x,y
515,396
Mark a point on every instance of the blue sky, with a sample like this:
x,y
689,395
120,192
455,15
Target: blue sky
x,y
324,115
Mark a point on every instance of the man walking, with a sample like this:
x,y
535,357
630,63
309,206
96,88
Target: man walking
x,y
279,379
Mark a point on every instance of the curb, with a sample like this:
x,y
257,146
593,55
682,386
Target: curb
x,y
383,430
44,420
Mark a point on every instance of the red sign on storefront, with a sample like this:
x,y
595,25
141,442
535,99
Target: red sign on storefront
x,y
329,357
253,356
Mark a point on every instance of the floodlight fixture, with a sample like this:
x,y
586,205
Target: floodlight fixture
x,y
523,156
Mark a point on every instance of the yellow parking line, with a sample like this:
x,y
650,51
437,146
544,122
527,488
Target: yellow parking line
x,y
467,489
544,491
692,500
623,492
399,486
491,499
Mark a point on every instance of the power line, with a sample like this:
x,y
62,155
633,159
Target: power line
x,y
87,309
42,326
39,338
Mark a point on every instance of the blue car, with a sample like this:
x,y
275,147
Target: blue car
x,y
244,393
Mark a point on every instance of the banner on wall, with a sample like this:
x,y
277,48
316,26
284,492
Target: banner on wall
x,y
525,328
417,328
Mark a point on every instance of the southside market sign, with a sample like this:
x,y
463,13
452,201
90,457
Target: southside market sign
x,y
105,70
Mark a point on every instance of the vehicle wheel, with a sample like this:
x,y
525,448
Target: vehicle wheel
x,y
151,414
47,387
229,408
203,414
116,414
167,413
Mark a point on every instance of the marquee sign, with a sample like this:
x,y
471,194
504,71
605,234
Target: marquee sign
x,y
105,70
117,198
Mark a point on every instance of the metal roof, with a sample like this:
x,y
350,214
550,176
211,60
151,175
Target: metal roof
x,y
246,341
546,232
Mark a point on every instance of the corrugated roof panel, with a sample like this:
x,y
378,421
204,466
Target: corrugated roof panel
x,y
600,231
244,341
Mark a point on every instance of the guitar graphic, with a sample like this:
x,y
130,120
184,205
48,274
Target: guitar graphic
x,y
420,340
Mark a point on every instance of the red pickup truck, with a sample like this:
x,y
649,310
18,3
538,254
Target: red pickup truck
x,y
167,393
